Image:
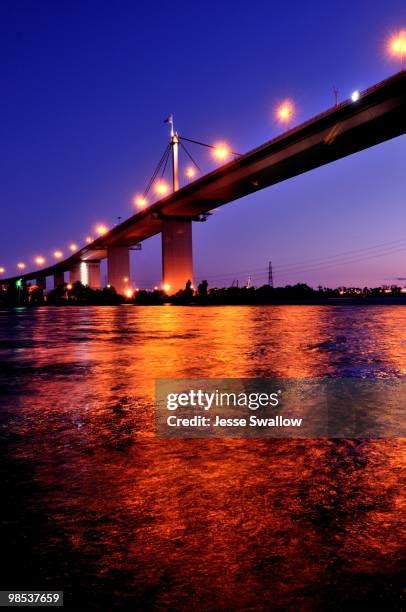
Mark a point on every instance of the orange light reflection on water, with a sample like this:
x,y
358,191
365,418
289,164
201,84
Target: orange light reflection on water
x,y
230,522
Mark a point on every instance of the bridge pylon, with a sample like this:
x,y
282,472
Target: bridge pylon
x,y
177,254
177,249
118,268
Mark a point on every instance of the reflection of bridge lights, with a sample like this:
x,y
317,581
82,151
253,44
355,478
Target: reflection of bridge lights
x,y
355,96
73,247
21,265
161,187
190,172
285,111
2,270
166,287
89,239
58,254
101,229
39,260
140,201
221,151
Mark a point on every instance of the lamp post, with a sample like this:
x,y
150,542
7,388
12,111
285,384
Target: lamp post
x,y
397,46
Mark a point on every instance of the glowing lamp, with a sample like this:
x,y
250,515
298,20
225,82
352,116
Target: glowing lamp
x,y
2,270
221,151
58,254
73,247
40,260
69,287
161,188
89,239
190,172
128,293
355,96
166,287
140,201
21,265
285,111
101,230
397,45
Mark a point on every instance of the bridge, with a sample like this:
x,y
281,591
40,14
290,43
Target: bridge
x,y
377,115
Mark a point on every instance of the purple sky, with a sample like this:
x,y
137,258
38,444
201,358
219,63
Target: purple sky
x,y
85,89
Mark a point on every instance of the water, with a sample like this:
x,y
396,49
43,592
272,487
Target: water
x,y
96,505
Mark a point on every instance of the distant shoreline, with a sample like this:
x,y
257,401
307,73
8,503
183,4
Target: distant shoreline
x,y
329,302
297,295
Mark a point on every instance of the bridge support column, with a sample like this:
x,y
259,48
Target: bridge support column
x,y
93,274
41,282
177,254
59,279
118,268
74,274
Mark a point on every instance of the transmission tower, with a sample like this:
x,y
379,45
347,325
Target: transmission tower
x,y
270,274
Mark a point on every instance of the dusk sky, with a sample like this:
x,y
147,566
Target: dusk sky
x,y
86,87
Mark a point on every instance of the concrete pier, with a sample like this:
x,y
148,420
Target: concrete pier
x,y
74,274
177,254
59,279
93,274
118,268
41,282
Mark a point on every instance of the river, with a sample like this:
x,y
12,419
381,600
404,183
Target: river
x,y
96,505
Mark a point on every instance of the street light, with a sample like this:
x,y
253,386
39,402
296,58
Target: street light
x,y
21,265
58,254
355,96
40,260
140,201
2,270
89,239
221,151
101,229
161,187
397,46
285,111
190,172
73,247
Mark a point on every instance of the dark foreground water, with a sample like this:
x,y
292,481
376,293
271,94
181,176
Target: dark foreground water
x,y
94,504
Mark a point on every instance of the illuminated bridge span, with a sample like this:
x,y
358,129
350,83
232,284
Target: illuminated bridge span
x,y
379,114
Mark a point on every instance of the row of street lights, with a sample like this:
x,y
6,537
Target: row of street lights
x,y
58,255
284,114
